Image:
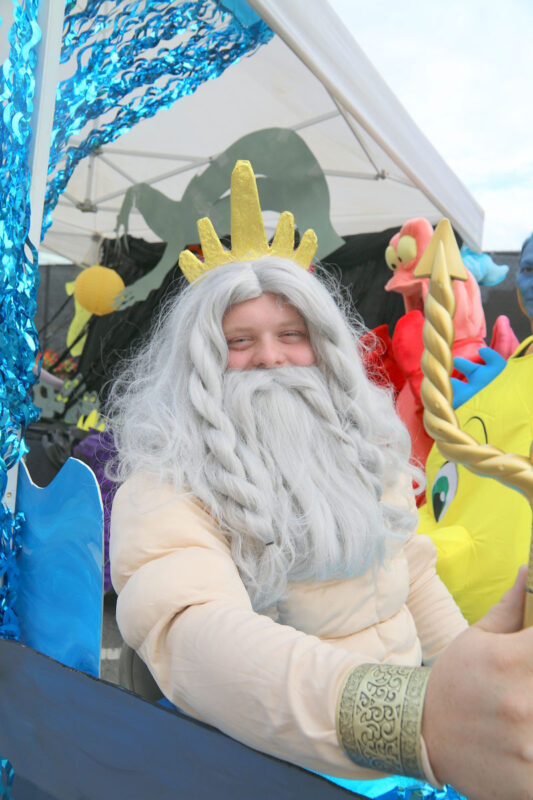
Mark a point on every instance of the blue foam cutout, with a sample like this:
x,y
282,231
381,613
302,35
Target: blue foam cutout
x,y
59,602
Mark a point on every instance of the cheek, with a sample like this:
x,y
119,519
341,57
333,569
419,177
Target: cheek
x,y
237,359
524,281
305,357
525,290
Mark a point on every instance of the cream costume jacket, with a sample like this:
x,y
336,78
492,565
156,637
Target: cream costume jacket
x,y
269,680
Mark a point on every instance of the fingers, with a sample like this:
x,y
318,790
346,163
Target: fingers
x,y
492,357
507,615
464,365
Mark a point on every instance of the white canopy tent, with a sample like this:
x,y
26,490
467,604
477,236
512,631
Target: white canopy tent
x,y
312,78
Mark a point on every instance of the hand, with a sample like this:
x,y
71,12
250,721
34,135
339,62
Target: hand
x,y
478,712
478,375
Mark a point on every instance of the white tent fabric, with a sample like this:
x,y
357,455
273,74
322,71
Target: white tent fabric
x,y
313,78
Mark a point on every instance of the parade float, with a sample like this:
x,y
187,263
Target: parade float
x,y
81,86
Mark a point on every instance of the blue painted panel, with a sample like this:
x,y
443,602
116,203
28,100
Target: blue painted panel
x,y
68,735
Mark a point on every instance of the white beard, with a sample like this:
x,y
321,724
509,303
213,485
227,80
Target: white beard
x,y
294,486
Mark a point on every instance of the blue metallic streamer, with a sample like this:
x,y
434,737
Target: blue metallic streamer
x,y
397,787
7,774
421,792
18,285
133,62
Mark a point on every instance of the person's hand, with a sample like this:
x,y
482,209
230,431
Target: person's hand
x,y
478,712
477,375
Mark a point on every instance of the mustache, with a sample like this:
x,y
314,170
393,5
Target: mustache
x,y
262,380
266,402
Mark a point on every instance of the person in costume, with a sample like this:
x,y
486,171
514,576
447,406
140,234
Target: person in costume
x,y
263,541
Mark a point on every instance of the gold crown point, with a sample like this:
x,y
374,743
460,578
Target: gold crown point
x,y
212,249
248,237
305,252
283,242
191,266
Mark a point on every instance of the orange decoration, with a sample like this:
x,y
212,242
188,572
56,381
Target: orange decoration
x,y
96,288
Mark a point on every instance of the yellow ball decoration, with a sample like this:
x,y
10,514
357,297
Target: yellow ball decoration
x,y
96,288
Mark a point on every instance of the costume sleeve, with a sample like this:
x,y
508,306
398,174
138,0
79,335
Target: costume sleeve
x,y
437,617
183,607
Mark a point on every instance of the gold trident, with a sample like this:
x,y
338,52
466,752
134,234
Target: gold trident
x,y
440,263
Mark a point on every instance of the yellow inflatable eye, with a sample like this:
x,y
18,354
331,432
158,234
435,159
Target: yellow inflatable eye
x,y
391,258
407,249
444,489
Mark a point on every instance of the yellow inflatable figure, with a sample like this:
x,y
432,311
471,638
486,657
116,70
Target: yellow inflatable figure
x,y
481,528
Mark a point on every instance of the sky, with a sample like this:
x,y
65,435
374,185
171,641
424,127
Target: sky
x,y
463,69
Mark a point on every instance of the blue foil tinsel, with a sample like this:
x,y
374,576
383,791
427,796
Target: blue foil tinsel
x,y
133,61
18,285
397,787
6,778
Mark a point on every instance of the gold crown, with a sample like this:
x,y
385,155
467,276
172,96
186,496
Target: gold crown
x,y
248,237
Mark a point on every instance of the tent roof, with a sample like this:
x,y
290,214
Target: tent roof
x,y
311,77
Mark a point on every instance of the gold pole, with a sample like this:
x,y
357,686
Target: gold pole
x,y
441,262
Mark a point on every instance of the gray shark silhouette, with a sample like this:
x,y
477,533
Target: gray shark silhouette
x,y
288,178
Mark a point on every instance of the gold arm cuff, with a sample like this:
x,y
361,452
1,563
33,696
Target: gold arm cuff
x,y
379,717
